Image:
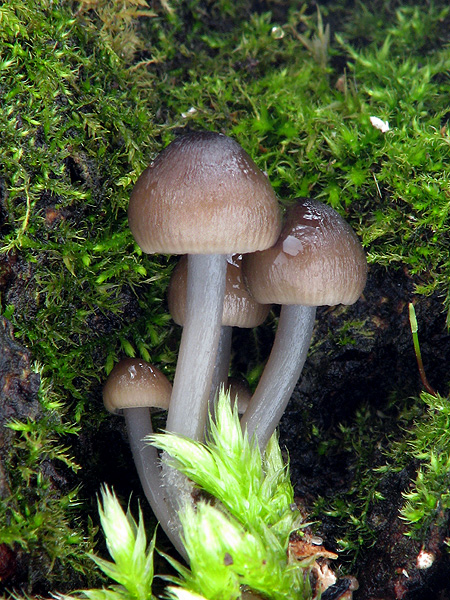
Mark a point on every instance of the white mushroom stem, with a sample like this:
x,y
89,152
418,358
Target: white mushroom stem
x,y
139,425
221,367
281,372
199,343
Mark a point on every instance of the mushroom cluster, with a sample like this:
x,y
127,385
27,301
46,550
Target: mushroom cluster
x,y
203,197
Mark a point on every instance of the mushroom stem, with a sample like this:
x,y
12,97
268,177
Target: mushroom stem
x,y
281,372
199,343
221,367
139,425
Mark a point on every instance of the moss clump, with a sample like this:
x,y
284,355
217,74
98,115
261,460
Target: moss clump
x,y
76,129
408,454
428,444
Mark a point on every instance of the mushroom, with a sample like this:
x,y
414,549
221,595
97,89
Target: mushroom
x,y
240,309
317,260
205,197
132,389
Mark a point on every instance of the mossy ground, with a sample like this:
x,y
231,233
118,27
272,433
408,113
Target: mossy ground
x,y
90,92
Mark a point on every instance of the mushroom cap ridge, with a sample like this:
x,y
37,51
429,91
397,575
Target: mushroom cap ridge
x,y
203,194
134,383
317,260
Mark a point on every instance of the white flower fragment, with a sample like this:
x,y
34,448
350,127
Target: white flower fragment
x,y
425,559
189,113
383,126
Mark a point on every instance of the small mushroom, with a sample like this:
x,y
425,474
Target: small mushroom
x,y
134,383
133,388
205,197
317,260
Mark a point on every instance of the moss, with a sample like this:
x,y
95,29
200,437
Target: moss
x,y
427,442
398,444
92,90
76,129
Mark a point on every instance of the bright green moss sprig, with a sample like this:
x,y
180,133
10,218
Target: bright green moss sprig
x,y
242,538
226,557
132,558
253,489
132,565
235,540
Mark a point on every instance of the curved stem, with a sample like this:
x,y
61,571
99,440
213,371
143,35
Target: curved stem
x,y
198,348
139,425
281,372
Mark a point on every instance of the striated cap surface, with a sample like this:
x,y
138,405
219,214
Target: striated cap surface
x,y
134,383
203,194
317,260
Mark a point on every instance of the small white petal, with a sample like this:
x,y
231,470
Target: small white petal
x,y
383,126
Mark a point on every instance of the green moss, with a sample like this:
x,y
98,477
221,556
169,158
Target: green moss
x,y
360,441
42,523
68,154
428,442
262,85
91,92
379,445
76,129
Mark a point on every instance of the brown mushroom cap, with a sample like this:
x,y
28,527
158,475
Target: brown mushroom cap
x,y
240,309
317,260
203,194
134,383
